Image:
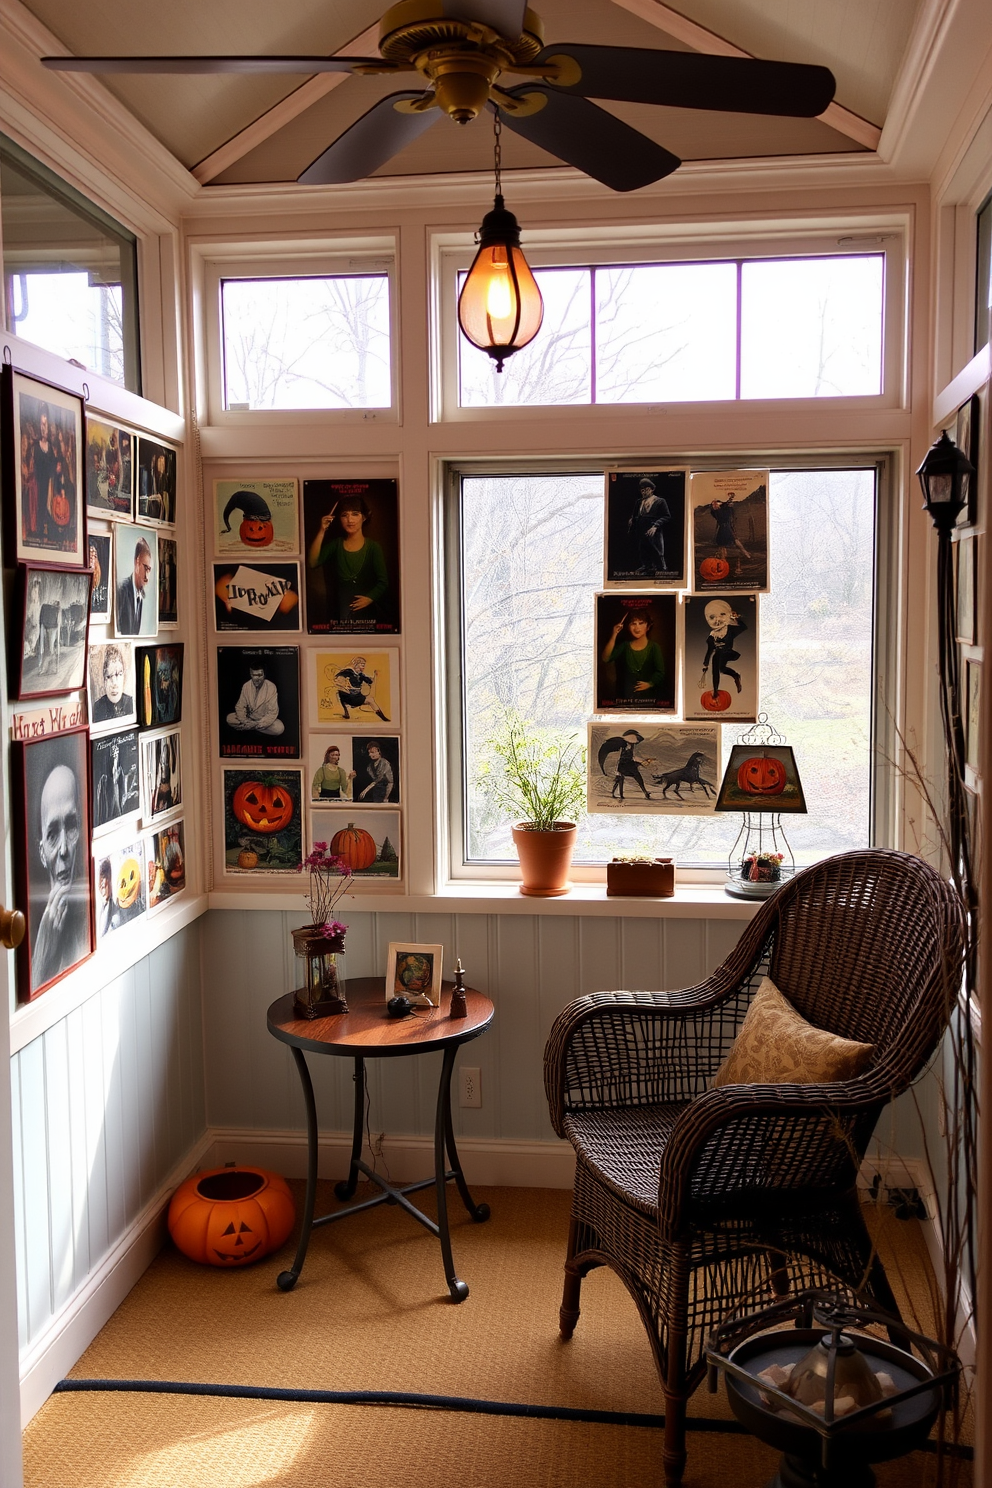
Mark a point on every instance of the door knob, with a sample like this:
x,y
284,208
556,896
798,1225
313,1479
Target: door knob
x,y
12,927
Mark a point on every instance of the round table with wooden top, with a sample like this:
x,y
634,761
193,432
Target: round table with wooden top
x,y
367,1031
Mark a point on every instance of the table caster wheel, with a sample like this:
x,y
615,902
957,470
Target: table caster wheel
x,y
286,1281
343,1190
480,1213
459,1290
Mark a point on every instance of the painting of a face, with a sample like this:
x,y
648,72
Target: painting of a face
x,y
718,614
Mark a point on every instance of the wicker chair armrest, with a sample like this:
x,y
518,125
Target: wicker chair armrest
x,y
769,1140
617,1048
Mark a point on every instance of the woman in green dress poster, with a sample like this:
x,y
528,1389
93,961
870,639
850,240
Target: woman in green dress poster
x,y
357,581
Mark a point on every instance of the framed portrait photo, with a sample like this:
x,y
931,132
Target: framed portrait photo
x,y
100,551
109,470
414,971
135,581
156,496
351,548
42,472
161,775
159,685
54,614
165,862
114,776
51,829
168,583
111,689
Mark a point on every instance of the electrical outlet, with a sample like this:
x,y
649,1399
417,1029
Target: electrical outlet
x,y
469,1086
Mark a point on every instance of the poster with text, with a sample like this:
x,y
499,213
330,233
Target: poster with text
x,y
720,673
257,596
636,653
258,701
114,767
354,686
730,531
646,530
256,516
351,556
671,768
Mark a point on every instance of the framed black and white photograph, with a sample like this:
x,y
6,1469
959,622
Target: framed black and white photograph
x,y
119,879
646,530
165,863
54,624
636,653
646,768
730,531
111,689
156,496
351,557
414,971
257,596
161,775
258,701
42,471
100,548
109,470
114,777
51,833
135,581
160,685
168,583
720,671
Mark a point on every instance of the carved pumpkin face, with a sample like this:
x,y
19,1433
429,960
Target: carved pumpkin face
x,y
231,1216
128,883
715,704
761,776
255,533
262,808
61,510
714,569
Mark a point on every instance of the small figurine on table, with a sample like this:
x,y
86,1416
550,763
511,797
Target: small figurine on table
x,y
459,1007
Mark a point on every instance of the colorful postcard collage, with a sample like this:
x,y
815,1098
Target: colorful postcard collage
x,y
676,635
306,601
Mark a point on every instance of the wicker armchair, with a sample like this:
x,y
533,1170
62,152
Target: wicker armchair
x,y
707,1200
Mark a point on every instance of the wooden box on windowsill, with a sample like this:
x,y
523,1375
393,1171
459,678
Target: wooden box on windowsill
x,y
655,880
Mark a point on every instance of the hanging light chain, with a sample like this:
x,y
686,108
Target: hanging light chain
x,y
497,150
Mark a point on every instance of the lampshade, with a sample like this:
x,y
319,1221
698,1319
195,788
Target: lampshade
x,y
761,777
945,475
500,307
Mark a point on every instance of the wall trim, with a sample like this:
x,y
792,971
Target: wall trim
x,y
73,1329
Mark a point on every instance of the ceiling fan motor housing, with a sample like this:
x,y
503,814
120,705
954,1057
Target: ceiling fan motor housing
x,y
462,59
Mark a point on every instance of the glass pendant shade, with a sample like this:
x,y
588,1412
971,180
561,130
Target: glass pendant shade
x,y
500,308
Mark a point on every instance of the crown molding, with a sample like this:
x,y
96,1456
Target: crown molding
x,y
78,128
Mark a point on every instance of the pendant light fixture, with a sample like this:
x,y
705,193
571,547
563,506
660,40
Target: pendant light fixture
x,y
500,307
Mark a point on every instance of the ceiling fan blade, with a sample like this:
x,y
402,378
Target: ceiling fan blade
x,y
504,16
213,64
372,140
739,85
592,140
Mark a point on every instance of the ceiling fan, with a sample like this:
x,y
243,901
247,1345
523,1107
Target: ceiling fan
x,y
468,52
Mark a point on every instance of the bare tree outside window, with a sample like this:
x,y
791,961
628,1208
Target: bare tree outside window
x,y
313,342
72,314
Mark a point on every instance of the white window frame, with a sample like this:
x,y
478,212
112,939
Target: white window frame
x,y
302,259
884,782
888,234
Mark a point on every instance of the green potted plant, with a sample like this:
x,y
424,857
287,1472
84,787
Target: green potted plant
x,y
537,775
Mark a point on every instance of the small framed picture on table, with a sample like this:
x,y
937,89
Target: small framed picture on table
x,y
414,971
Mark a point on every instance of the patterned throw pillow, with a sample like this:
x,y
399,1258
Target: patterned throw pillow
x,y
776,1046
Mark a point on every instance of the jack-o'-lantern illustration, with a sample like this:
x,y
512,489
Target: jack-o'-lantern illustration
x,y
761,775
356,846
61,510
717,703
255,533
256,530
231,1216
261,807
714,569
128,883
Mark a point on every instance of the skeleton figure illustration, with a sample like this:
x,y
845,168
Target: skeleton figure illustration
x,y
725,626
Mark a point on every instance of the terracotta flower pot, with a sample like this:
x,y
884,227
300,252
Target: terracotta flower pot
x,y
545,858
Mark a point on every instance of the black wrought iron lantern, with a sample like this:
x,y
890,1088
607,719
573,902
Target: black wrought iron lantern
x,y
945,475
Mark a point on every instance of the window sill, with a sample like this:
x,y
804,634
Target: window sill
x,y
690,902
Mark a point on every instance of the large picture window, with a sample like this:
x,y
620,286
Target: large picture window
x,y
530,558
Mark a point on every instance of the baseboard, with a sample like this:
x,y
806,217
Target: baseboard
x,y
485,1161
73,1329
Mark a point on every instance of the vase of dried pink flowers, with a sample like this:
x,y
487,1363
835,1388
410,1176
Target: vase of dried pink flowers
x,y
320,945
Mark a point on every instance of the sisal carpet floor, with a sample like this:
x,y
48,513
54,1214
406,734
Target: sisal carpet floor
x,y
371,1312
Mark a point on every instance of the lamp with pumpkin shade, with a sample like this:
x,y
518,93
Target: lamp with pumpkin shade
x,y
500,308
762,782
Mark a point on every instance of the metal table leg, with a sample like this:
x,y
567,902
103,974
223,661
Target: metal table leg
x,y
286,1280
346,1188
442,1126
478,1212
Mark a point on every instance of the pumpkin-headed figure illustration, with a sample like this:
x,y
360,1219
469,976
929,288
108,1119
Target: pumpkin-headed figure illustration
x,y
256,530
262,808
229,1217
762,775
128,884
